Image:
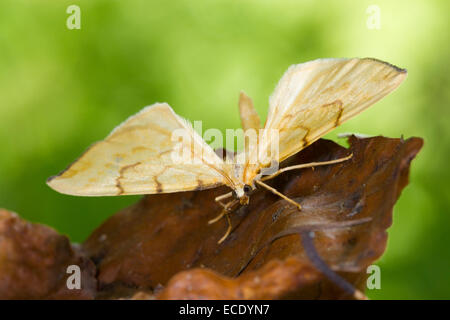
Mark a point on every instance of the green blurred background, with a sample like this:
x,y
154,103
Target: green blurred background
x,y
61,90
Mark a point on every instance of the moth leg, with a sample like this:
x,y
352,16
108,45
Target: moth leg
x,y
227,233
226,208
223,196
275,191
218,217
225,212
307,165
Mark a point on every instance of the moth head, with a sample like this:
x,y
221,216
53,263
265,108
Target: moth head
x,y
242,193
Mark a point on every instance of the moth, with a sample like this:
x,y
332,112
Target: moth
x,y
310,100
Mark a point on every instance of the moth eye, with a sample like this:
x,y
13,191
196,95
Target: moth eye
x,y
247,188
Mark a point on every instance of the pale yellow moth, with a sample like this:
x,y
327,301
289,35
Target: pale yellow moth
x,y
310,100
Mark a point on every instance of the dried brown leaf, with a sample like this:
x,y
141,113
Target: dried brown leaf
x,y
347,206
34,260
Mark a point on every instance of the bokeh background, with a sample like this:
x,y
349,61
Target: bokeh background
x,y
61,90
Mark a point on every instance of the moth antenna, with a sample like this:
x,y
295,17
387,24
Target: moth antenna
x,y
307,165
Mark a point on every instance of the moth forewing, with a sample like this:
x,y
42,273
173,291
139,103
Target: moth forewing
x,y
137,158
313,98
